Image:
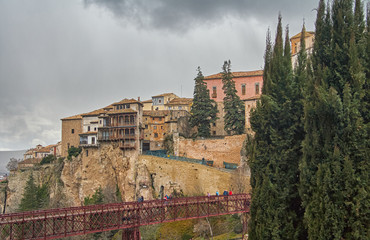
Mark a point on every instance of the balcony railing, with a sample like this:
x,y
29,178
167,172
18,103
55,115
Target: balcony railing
x,y
120,124
86,144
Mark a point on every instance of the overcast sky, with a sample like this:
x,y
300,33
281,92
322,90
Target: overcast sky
x,y
61,58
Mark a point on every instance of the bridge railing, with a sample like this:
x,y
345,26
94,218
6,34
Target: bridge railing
x,y
56,223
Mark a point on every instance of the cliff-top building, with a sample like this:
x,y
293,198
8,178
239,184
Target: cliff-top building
x,y
248,86
123,124
296,45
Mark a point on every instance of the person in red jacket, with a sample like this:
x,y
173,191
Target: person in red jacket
x,y
230,193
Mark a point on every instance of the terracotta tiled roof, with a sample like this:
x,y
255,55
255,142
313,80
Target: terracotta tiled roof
x,y
124,101
180,101
165,94
98,111
157,113
44,149
298,35
30,161
147,101
127,110
236,74
75,117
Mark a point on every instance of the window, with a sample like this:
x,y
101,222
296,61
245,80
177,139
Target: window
x,y
159,119
100,122
180,107
73,131
94,128
155,127
159,101
257,87
161,127
169,108
88,128
214,133
214,124
146,126
214,92
93,140
243,89
155,135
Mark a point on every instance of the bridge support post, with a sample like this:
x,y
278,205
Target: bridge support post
x,y
131,234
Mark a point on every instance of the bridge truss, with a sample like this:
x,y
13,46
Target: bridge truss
x,y
64,222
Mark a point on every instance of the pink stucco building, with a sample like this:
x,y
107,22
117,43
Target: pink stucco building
x,y
249,88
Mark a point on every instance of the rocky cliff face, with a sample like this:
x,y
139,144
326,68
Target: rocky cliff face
x,y
109,168
71,181
45,174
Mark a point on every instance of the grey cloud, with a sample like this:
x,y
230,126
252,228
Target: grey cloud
x,y
182,15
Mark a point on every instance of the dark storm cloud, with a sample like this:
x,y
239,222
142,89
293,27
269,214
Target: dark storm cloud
x,y
182,15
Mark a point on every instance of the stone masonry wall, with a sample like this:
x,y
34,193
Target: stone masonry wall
x,y
190,178
226,149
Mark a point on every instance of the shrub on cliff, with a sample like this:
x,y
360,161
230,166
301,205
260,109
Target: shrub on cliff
x,y
96,198
73,152
48,159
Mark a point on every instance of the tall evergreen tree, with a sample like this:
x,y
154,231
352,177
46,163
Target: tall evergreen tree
x,y
34,197
234,108
204,110
276,211
335,169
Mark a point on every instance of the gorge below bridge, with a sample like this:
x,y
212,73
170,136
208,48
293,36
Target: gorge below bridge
x,y
129,216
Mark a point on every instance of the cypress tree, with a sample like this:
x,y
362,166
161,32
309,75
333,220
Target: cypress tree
x,y
204,110
334,168
276,211
29,197
34,197
234,108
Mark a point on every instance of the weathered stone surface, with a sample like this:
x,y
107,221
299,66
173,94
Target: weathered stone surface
x,y
107,167
226,149
190,178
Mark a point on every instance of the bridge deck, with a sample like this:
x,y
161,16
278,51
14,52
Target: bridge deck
x,y
57,223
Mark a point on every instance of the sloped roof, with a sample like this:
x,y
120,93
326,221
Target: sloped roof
x,y
180,101
75,117
236,74
147,101
98,111
30,161
298,35
125,101
165,94
156,113
127,110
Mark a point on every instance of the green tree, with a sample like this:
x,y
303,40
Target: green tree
x,y
48,159
234,118
204,110
335,168
73,152
34,197
96,198
276,211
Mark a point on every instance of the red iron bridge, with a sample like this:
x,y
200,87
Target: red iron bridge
x,y
129,216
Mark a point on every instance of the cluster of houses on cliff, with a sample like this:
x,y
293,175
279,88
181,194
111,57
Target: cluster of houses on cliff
x,y
143,125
